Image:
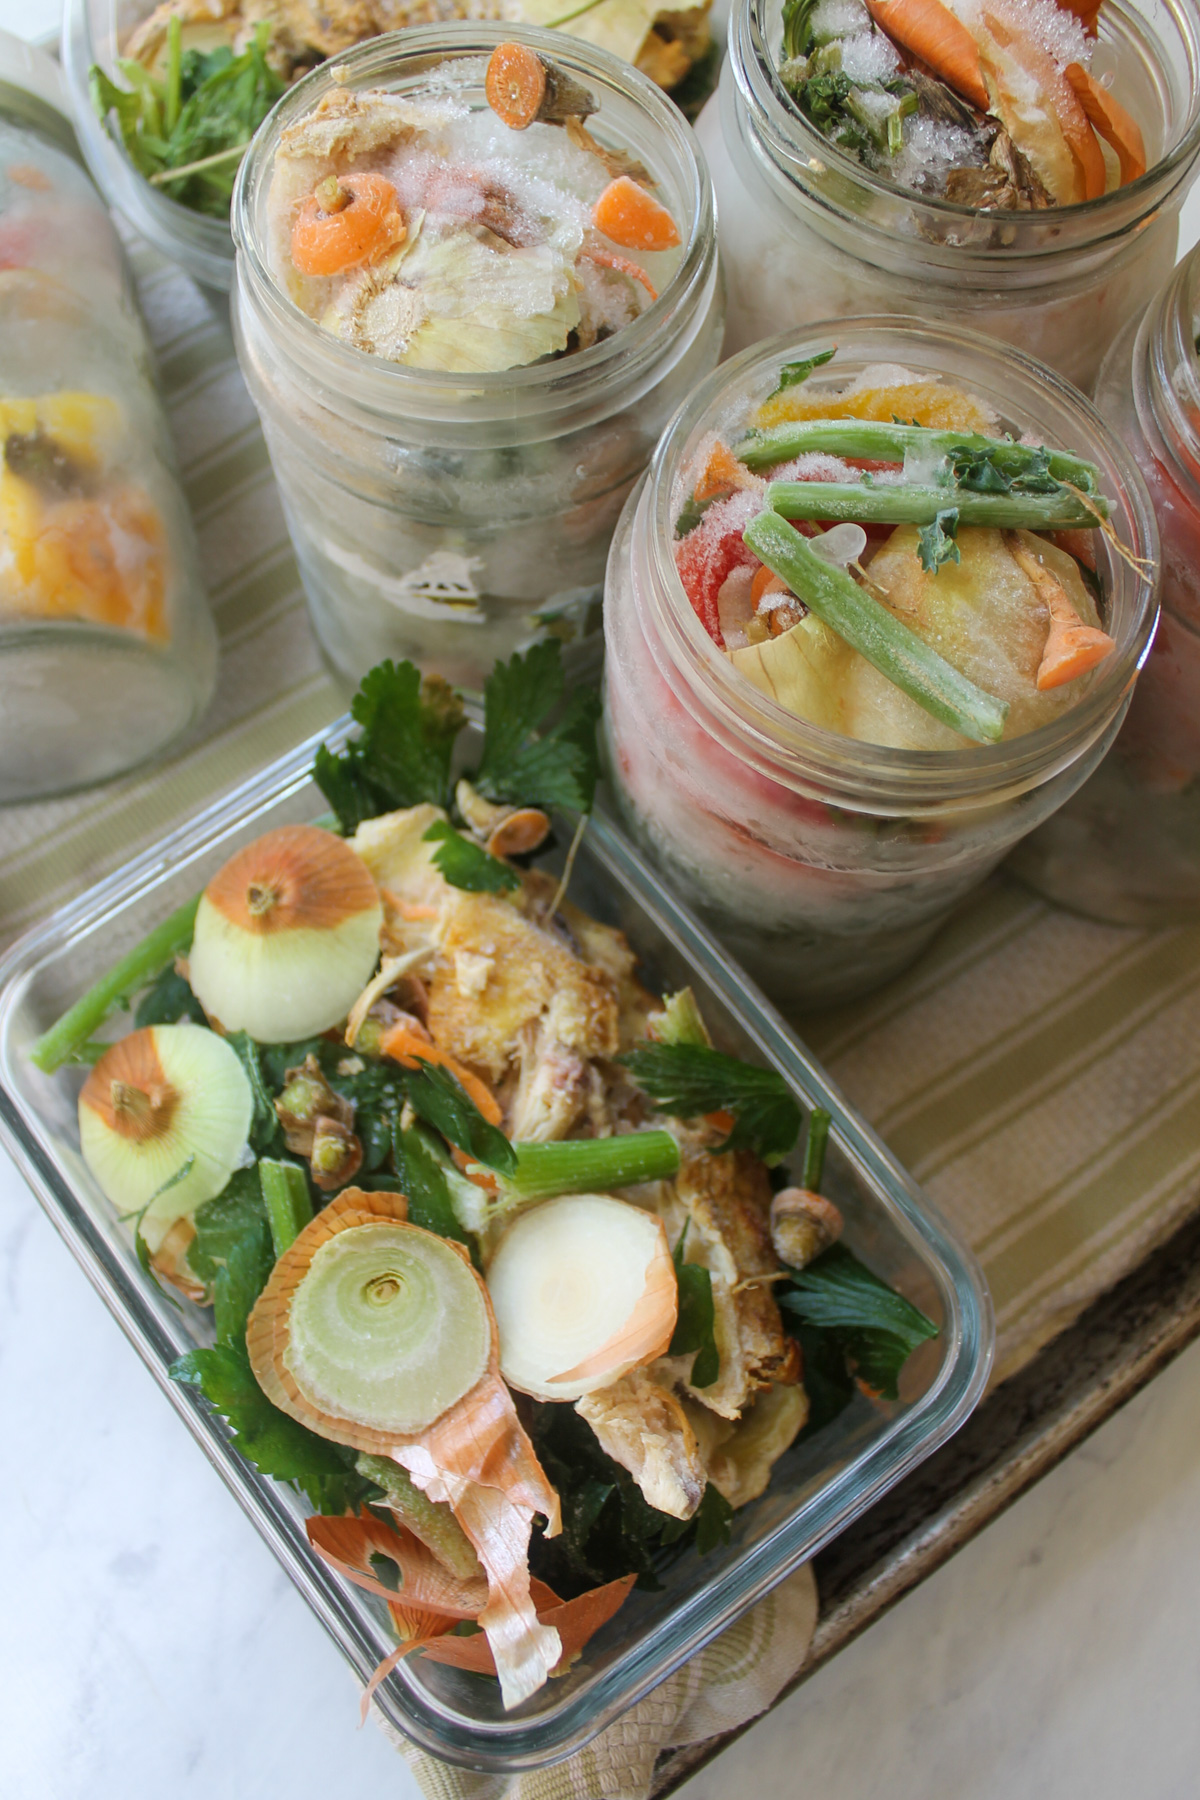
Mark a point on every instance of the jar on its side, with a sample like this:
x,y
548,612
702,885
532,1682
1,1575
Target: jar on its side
x,y
454,518
826,863
807,232
107,645
1127,847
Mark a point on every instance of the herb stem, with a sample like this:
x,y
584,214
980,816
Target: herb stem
x,y
289,1207
886,443
145,960
592,1165
819,1122
859,619
901,504
193,168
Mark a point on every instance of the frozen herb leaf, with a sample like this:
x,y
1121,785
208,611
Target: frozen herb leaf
x,y
525,761
695,1326
876,1328
936,543
793,374
976,471
444,1103
690,515
689,1080
466,864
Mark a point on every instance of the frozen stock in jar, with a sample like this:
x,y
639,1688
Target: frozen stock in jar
x,y
1016,167
874,614
1127,846
107,648
476,275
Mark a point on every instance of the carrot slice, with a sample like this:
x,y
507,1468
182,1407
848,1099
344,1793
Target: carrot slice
x,y
723,474
1111,121
357,221
1072,648
766,582
930,30
515,85
634,219
403,1044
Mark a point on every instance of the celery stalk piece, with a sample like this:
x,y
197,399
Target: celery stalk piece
x,y
869,628
289,1208
901,504
591,1165
889,443
133,971
680,1021
819,1121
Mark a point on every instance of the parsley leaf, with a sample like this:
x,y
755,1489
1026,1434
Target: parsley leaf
x,y
560,766
466,864
264,1123
695,1324
976,471
713,1521
876,1328
232,1252
276,1444
168,1001
794,373
435,1096
688,1080
420,1176
936,543
402,756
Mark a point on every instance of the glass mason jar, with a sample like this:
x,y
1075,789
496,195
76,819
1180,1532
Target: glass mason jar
x,y
107,646
826,863
1127,846
807,232
453,518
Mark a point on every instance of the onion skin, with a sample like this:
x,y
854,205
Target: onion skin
x,y
158,1098
287,935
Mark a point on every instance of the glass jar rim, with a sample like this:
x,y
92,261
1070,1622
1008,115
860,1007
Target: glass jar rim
x,y
785,746
793,144
1166,375
568,381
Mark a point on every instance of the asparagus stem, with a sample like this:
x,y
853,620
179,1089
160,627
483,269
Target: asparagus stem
x,y
819,1122
888,443
869,628
289,1207
133,971
900,504
592,1165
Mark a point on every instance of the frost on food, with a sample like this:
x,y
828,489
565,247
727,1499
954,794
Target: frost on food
x,y
428,231
985,103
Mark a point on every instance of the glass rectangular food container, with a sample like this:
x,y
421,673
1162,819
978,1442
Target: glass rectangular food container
x,y
822,1483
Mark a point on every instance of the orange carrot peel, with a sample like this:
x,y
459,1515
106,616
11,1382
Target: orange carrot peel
x,y
403,1045
624,267
723,474
1111,121
1072,647
931,31
633,219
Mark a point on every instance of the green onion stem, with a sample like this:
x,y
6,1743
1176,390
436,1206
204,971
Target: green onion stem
x,y
592,1165
909,662
888,443
899,504
174,71
289,1208
133,971
819,1122
193,168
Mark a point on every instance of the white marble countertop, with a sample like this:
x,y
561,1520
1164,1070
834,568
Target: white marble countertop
x,y
151,1646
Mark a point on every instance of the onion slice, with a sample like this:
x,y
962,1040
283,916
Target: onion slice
x,y
474,1456
576,1621
584,1290
287,935
165,1099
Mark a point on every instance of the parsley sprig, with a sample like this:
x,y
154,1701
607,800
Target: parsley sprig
x,y
690,1080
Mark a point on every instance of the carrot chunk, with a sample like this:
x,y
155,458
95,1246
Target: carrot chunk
x,y
1110,119
354,220
723,474
632,218
930,30
515,85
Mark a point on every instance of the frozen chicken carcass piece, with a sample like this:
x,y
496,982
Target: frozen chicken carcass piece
x,y
401,863
639,1423
503,979
738,1457
725,1202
